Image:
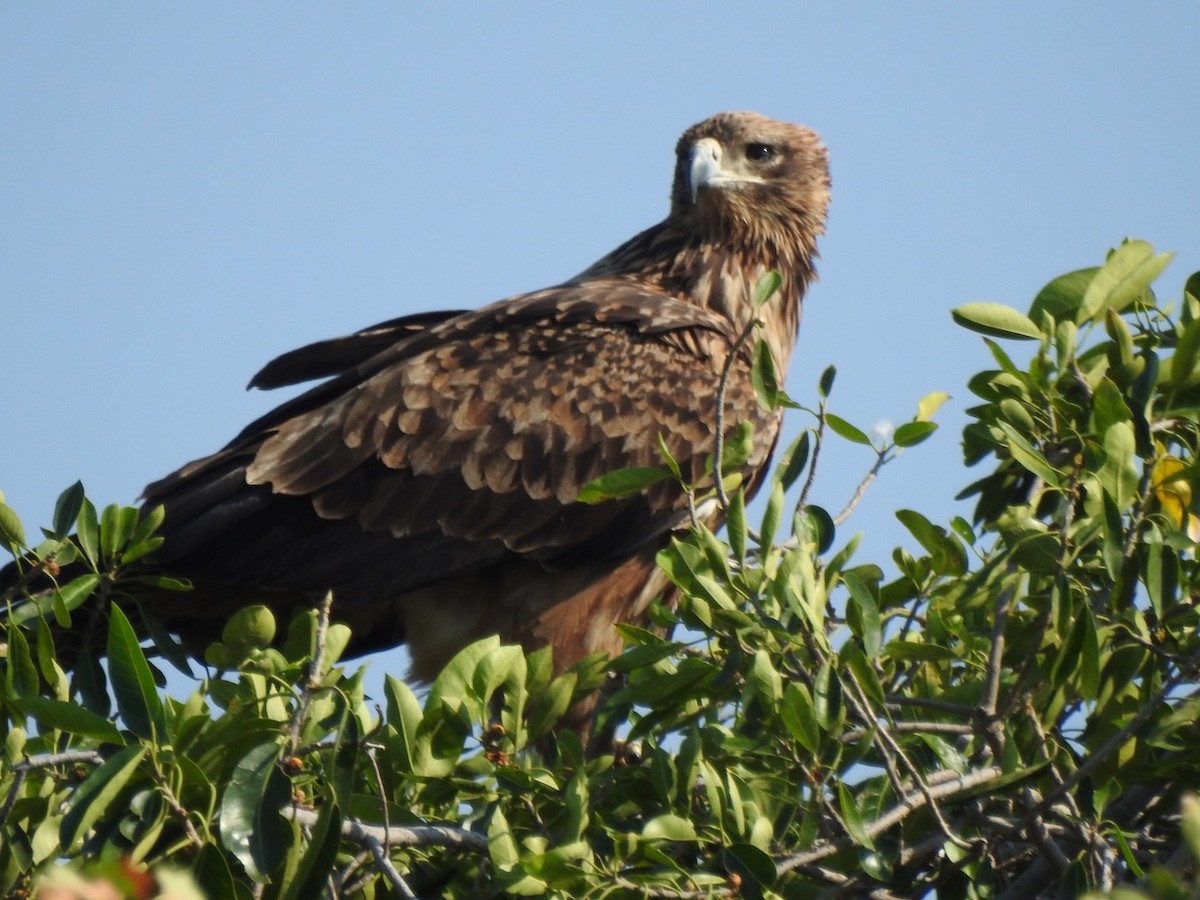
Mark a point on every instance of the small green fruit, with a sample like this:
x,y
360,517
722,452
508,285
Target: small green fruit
x,y
250,628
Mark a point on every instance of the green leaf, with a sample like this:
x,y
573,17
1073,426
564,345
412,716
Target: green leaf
x,y
75,593
1125,276
794,460
312,872
763,680
866,621
404,713
87,532
66,509
343,759
739,444
1062,296
97,794
149,519
211,870
1184,372
772,513
1189,824
668,827
815,524
841,427
1119,475
668,460
800,717
117,524
252,828
912,433
767,287
750,862
20,673
735,525
825,385
764,377
69,717
1028,456
1088,672
827,699
996,320
852,816
621,483
171,650
947,554
1108,406
502,846
12,532
132,681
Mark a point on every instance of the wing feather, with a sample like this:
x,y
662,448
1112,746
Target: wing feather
x,y
479,429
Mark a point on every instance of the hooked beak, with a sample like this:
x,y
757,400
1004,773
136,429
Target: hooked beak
x,y
704,166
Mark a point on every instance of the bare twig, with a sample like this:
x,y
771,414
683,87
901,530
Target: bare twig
x,y
818,439
1111,746
47,760
399,835
891,751
857,734
316,672
719,436
881,459
42,761
178,808
399,885
908,803
1041,835
645,891
946,706
993,730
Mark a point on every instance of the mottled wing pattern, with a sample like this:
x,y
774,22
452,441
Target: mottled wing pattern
x,y
467,444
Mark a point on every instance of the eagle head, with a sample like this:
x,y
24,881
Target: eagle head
x,y
742,177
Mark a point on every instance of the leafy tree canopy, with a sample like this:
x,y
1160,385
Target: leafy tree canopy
x,y
1009,711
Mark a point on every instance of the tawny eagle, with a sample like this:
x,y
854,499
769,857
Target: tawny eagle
x,y
431,480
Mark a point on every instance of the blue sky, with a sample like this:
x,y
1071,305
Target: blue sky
x,y
188,190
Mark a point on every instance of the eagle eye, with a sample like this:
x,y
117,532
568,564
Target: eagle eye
x,y
760,152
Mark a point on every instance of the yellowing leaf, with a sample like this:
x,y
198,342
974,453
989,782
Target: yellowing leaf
x,y
929,404
1173,492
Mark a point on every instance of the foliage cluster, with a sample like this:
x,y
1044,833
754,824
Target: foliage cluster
x,y
1008,710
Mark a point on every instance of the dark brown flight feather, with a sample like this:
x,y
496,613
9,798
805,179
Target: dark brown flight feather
x,y
431,482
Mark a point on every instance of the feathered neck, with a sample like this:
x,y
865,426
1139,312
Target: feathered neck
x,y
709,269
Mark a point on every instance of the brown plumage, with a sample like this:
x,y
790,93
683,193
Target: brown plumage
x,y
431,482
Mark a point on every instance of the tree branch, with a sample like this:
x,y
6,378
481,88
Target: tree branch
x,y
909,803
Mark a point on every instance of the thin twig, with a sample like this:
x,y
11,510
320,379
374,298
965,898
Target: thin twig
x,y
1043,839
891,750
908,803
178,808
858,734
42,761
401,888
881,459
316,675
993,730
946,706
1101,755
47,760
818,439
652,893
399,835
719,437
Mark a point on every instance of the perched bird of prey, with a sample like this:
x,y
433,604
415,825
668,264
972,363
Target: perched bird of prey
x,y
431,480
